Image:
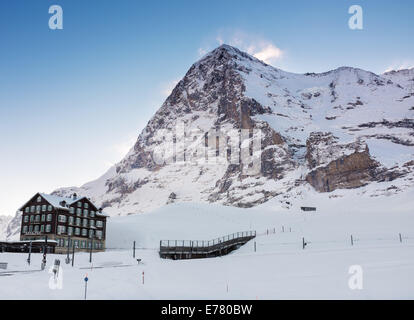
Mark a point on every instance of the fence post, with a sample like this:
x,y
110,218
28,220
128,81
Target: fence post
x,y
283,228
352,240
400,238
303,243
133,255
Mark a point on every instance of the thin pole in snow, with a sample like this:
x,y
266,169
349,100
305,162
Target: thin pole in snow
x,y
86,284
133,255
352,240
73,253
67,256
30,252
400,238
90,252
255,246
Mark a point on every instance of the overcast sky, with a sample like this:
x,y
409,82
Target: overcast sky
x,y
73,101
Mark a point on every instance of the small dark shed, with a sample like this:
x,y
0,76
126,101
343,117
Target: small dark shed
x,y
308,208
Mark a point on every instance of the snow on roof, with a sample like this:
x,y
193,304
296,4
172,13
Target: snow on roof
x,y
57,202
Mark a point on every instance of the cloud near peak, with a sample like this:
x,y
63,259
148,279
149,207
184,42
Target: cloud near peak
x,y
258,47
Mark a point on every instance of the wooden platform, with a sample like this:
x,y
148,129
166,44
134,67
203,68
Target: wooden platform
x,y
189,249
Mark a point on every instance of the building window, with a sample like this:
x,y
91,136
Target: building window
x,y
85,223
85,213
78,212
37,219
76,243
62,218
84,232
91,223
44,208
48,228
49,208
92,214
32,209
24,229
99,234
49,217
77,231
86,205
38,208
70,231
27,209
72,210
39,199
26,219
31,218
79,204
71,219
61,229
78,221
36,228
91,234
42,228
30,228
99,223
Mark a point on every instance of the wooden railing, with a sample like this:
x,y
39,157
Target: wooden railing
x,y
190,249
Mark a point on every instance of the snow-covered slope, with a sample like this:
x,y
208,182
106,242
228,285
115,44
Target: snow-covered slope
x,y
346,128
279,267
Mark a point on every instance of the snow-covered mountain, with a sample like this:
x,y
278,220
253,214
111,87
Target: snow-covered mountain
x,y
346,128
4,222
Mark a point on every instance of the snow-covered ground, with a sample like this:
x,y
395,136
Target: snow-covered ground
x,y
279,269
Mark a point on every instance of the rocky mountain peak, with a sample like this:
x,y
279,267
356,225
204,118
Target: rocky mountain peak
x,y
326,131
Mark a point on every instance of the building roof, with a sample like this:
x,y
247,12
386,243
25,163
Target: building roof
x,y
57,202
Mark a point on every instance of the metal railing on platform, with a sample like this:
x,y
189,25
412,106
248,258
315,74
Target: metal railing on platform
x,y
174,247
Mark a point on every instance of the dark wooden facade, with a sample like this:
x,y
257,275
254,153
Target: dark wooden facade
x,y
28,246
69,221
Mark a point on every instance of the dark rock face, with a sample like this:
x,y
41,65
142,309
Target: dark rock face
x,y
223,88
352,171
228,91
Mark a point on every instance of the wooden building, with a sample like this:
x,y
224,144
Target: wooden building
x,y
73,221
